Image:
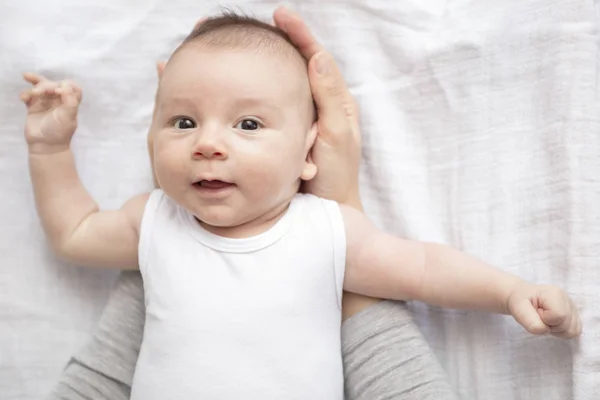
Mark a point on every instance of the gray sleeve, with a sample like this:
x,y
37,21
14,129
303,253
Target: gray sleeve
x,y
104,368
386,357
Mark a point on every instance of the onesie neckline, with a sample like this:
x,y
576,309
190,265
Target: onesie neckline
x,y
243,245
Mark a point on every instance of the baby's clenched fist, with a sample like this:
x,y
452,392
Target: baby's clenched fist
x,y
51,113
545,309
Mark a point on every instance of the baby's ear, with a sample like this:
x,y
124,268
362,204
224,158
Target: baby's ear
x,y
310,168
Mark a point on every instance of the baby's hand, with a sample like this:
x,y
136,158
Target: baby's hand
x,y
51,113
545,309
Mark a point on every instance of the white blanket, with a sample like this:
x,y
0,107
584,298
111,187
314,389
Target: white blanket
x,y
481,129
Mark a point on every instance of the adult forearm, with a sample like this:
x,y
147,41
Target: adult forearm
x,y
106,364
61,200
386,357
80,382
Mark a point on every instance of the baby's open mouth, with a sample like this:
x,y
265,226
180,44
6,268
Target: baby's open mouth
x,y
212,184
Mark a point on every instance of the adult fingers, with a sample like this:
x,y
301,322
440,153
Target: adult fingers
x,y
298,32
338,115
200,21
160,68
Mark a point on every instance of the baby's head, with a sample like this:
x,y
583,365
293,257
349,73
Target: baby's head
x,y
234,122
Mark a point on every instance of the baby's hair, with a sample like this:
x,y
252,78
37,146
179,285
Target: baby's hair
x,y
237,31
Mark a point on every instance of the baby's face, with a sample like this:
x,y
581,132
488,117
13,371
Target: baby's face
x,y
233,129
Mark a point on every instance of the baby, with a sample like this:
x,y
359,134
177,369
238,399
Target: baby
x,y
243,275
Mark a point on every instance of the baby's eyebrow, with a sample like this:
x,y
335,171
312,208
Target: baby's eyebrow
x,y
262,106
175,102
250,102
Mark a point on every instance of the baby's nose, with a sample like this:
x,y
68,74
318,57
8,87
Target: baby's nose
x,y
210,153
208,148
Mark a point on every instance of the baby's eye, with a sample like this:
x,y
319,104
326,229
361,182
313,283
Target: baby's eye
x,y
183,123
248,125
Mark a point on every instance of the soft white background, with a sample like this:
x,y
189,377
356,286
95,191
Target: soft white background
x,y
481,129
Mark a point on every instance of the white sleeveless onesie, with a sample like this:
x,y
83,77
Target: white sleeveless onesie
x,y
253,318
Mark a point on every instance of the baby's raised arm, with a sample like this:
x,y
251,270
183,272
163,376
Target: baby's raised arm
x,y
76,229
381,265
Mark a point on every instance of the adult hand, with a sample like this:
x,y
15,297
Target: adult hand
x,y
337,149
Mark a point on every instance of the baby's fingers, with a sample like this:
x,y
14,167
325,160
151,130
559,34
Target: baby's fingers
x,y
70,95
554,307
25,96
47,88
571,327
75,89
525,314
571,330
69,91
40,95
33,78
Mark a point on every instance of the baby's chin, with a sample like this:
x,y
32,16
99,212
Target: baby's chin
x,y
210,222
226,226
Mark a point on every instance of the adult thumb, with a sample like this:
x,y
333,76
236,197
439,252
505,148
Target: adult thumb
x,y
331,95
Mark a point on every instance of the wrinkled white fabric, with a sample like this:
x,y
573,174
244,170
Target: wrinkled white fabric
x,y
481,129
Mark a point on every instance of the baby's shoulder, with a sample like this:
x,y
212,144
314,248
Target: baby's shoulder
x,y
134,209
317,210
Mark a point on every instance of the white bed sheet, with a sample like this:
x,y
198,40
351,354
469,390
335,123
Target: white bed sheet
x,y
481,129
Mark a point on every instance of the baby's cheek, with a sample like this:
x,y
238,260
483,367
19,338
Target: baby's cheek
x,y
155,178
260,174
150,141
167,169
